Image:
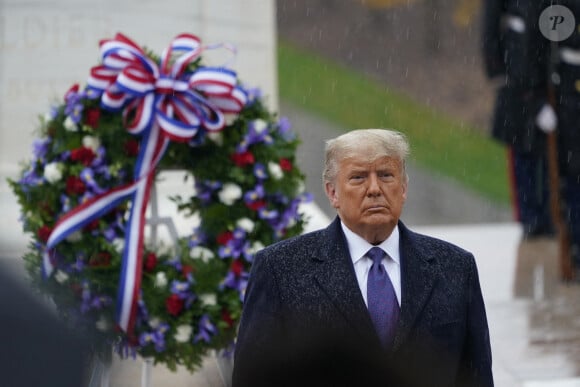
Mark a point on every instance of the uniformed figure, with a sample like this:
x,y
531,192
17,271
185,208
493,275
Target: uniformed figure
x,y
568,110
516,56
516,53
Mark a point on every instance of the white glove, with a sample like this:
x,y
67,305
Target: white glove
x,y
546,119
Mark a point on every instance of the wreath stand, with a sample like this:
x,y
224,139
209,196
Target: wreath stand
x,y
101,369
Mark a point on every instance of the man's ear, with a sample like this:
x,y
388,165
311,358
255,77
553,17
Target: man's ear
x,y
331,194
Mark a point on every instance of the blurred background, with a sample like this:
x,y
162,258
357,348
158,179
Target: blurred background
x,y
330,66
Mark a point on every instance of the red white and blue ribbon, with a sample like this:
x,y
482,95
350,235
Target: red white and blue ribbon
x,y
160,103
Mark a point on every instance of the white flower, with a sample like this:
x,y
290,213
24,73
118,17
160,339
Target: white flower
x,y
53,172
154,322
74,237
260,125
183,333
229,193
91,142
275,170
160,280
118,244
208,299
103,324
60,276
70,125
128,210
256,246
216,137
245,224
300,187
230,118
203,253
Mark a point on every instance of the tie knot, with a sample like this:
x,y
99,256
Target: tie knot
x,y
376,254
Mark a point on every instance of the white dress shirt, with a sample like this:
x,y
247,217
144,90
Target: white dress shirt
x,y
358,247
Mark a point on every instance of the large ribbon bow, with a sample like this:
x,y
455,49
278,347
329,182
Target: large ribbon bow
x,y
160,103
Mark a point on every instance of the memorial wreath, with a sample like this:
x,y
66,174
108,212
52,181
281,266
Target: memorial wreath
x,y
84,196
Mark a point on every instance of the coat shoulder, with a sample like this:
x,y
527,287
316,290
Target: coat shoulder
x,y
444,252
293,248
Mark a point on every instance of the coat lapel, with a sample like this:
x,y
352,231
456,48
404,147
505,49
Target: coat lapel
x,y
419,274
334,274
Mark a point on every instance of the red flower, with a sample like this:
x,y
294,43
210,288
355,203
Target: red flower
x,y
186,269
286,165
73,90
131,147
75,186
224,237
92,225
174,305
44,232
150,262
46,208
92,117
83,155
227,317
256,205
102,259
77,289
237,267
243,159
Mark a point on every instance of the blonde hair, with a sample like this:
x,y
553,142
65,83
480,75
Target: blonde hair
x,y
374,142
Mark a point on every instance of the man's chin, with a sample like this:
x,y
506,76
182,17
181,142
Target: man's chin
x,y
380,220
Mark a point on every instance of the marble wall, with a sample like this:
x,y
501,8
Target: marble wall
x,y
48,45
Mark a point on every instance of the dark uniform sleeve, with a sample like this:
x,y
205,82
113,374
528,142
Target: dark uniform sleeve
x,y
525,55
492,38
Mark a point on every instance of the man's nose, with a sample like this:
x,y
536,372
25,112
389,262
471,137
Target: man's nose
x,y
373,187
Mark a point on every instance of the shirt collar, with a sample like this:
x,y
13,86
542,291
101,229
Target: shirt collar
x,y
358,246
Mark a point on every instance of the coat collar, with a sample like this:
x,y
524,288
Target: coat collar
x,y
419,275
334,273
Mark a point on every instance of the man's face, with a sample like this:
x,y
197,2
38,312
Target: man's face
x,y
369,195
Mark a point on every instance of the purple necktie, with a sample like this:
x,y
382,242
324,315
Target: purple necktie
x,y
381,298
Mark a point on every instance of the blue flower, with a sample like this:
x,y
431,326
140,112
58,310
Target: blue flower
x,y
30,178
87,175
198,237
236,246
205,189
40,149
74,106
206,330
156,338
260,171
181,288
256,194
284,129
266,214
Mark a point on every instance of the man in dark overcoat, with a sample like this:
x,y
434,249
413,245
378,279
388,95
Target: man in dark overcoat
x,y
366,301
